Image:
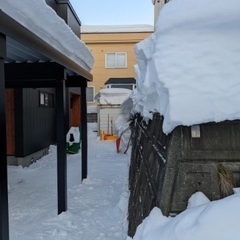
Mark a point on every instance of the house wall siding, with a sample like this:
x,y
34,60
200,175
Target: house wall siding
x,y
67,14
35,125
52,3
10,122
73,22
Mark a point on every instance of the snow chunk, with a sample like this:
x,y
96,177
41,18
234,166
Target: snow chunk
x,y
197,199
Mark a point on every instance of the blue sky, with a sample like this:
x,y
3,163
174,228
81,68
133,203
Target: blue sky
x,y
114,12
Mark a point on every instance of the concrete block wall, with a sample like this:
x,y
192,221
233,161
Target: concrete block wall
x,y
166,170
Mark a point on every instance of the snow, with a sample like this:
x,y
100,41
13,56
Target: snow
x,y
116,28
113,96
122,127
46,24
217,220
96,207
188,70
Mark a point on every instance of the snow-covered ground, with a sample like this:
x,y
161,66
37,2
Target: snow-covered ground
x,y
217,220
189,72
96,208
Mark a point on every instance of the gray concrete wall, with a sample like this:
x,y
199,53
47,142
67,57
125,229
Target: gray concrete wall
x,y
27,160
166,170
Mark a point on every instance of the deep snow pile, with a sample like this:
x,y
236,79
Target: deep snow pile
x,y
189,69
217,220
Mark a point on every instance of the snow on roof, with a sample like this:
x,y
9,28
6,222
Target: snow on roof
x,y
92,109
112,96
46,24
116,28
189,69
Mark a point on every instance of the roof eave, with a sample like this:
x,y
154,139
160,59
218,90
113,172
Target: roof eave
x,y
15,30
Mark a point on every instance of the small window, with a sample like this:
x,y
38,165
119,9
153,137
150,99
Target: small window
x,y
126,86
90,91
46,99
116,60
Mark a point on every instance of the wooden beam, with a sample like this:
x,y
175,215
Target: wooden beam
x,y
84,136
75,81
61,145
4,219
30,84
38,75
33,71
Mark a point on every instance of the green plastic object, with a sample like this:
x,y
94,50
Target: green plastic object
x,y
73,140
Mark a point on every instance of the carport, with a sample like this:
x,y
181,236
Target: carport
x,y
29,61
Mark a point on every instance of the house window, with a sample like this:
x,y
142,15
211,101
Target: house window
x,y
116,60
90,91
126,86
46,99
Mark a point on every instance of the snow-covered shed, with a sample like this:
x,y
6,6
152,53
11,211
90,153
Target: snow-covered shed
x,y
109,108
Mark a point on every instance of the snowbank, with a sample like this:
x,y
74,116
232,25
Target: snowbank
x,y
113,95
217,220
189,69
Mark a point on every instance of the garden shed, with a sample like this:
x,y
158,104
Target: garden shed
x,y
109,108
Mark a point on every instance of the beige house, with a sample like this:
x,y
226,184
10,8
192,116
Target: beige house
x,y
114,56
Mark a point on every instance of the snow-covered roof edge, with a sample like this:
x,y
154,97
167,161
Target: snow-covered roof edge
x,y
47,25
116,28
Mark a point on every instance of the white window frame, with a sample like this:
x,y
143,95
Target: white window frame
x,y
116,85
46,99
116,54
93,94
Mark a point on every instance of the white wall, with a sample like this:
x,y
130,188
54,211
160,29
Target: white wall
x,y
107,116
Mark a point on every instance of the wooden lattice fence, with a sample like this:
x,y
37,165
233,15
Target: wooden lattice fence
x,y
166,170
146,169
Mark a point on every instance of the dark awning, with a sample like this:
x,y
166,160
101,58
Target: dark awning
x,y
129,80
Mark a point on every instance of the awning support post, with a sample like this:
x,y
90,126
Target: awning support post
x,y
84,137
61,144
4,221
